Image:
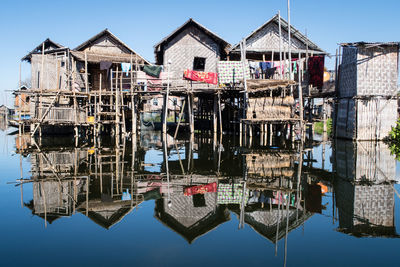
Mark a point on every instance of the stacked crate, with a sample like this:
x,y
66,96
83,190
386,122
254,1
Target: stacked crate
x,y
367,91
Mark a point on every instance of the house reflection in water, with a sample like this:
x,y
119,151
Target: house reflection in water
x,y
273,195
192,214
365,189
52,199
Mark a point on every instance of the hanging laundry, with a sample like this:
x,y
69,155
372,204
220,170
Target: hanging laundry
x,y
232,194
152,194
294,67
270,73
265,66
153,83
153,71
316,71
253,65
201,189
105,65
126,67
126,195
200,76
232,71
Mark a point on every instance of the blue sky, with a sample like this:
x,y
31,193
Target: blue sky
x,y
141,24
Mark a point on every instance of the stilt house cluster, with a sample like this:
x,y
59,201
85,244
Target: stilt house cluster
x,y
199,81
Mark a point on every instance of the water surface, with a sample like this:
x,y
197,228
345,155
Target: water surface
x,y
199,202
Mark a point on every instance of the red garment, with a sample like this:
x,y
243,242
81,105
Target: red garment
x,y
206,77
316,71
201,189
153,83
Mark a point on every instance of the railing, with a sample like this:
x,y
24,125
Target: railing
x,y
62,115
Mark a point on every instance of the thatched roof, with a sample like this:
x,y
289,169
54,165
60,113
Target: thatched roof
x,y
295,33
225,46
261,84
96,58
121,45
49,46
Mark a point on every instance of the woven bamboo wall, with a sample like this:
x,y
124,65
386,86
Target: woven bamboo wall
x,y
185,46
54,74
270,165
106,45
365,161
278,108
368,72
370,119
52,197
369,205
268,38
374,205
182,208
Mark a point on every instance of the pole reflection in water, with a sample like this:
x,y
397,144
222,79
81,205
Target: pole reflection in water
x,y
200,183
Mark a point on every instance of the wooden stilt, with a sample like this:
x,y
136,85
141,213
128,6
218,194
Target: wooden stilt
x,y
215,114
180,118
220,113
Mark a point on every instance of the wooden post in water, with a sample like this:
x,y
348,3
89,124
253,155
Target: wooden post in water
x,y
280,45
215,114
117,118
301,112
290,42
220,113
86,74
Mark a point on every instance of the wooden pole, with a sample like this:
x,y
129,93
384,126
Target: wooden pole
x,y
117,118
19,105
165,114
180,118
122,107
220,113
290,42
215,120
301,112
191,112
86,74
132,100
280,45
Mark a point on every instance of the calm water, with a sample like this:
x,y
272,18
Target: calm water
x,y
199,203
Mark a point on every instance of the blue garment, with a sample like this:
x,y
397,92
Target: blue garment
x,y
126,195
265,65
126,67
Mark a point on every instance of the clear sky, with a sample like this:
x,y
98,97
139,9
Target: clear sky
x,y
141,24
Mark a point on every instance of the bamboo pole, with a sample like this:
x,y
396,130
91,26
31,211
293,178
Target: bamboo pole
x,y
132,97
122,107
301,112
19,105
220,112
280,45
215,114
180,118
86,74
290,41
117,118
44,204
